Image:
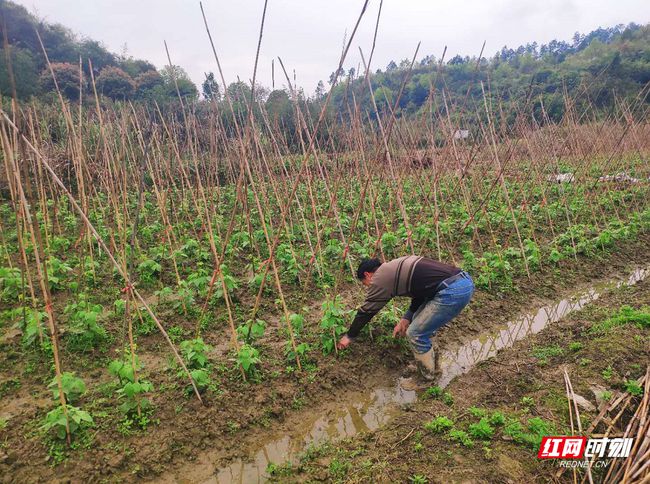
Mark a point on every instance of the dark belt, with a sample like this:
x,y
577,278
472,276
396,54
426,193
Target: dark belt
x,y
450,280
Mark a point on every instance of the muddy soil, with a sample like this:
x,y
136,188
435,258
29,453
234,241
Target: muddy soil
x,y
522,382
236,416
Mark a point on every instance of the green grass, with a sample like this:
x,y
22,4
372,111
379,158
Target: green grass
x,y
626,315
543,353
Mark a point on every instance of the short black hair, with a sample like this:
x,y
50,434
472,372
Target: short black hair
x,y
367,265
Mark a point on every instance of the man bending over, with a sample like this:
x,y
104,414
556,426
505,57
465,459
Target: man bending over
x,y
438,293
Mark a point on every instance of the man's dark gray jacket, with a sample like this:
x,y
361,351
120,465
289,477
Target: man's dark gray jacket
x,y
412,276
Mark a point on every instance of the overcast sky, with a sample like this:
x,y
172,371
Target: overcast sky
x,y
308,34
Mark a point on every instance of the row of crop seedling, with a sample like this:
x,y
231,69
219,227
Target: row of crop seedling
x,y
484,426
132,389
194,240
493,267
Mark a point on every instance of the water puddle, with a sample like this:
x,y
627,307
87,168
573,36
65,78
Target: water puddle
x,y
364,414
369,412
455,362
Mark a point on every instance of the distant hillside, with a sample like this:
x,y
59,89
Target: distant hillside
x,y
595,69
605,64
116,76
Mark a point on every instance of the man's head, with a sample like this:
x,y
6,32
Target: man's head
x,y
367,269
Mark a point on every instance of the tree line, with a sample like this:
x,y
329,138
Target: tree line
x,y
596,68
76,63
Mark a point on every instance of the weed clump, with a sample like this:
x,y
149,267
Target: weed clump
x,y
439,424
481,430
626,315
461,437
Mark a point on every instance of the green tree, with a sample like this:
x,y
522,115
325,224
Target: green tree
x,y
320,91
98,55
147,83
25,73
113,82
279,107
135,67
239,92
176,75
67,78
210,88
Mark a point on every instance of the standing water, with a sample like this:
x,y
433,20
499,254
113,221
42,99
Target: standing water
x,y
370,411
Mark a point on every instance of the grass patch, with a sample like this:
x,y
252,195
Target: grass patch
x,y
626,315
543,353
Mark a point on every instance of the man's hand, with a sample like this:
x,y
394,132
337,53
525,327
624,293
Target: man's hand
x,y
343,343
401,327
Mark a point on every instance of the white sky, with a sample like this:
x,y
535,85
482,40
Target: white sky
x,y
308,34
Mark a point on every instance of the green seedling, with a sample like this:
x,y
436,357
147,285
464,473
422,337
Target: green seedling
x,y
195,352
527,402
32,325
532,435
301,350
633,388
477,412
575,346
497,418
433,392
251,330
149,271
439,424
73,387
332,324
55,421
608,373
447,399
481,430
10,284
248,358
461,437
85,330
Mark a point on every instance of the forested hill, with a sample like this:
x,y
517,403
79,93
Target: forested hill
x,y
116,76
595,68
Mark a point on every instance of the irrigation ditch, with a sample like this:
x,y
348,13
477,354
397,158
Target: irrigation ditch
x,y
368,411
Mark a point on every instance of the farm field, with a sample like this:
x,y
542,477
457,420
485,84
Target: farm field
x,y
257,335
175,277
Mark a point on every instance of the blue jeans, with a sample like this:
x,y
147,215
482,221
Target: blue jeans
x,y
435,313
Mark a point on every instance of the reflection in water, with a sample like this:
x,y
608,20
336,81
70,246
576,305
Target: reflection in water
x,y
460,360
362,416
374,410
